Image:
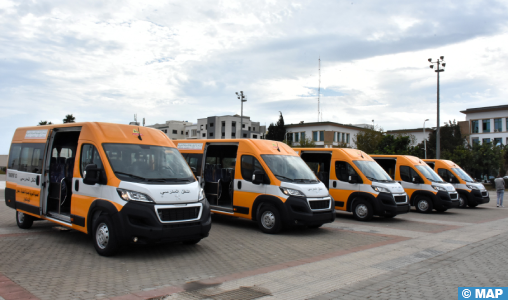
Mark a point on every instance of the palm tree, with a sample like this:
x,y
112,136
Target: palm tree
x,y
69,119
44,123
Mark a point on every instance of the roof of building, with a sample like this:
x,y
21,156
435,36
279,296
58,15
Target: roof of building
x,y
324,123
484,109
410,130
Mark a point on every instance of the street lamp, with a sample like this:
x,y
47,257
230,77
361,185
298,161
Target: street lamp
x,y
439,62
242,99
425,138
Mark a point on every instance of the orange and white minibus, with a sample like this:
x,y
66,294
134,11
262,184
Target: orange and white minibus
x,y
425,189
471,193
262,180
119,183
356,182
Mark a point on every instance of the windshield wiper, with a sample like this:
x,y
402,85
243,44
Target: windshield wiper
x,y
305,180
131,175
433,180
372,178
276,175
167,179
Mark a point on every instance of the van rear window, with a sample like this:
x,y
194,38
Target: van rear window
x,y
26,157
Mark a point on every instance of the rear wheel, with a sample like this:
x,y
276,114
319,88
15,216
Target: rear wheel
x,y
104,236
462,201
362,210
269,219
424,205
24,221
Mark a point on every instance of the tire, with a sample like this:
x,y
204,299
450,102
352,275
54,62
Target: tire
x,y
104,236
362,210
24,221
191,242
473,204
269,219
462,201
315,226
424,205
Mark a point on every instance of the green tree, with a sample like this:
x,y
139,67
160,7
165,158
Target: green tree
x,y
44,123
276,132
395,144
69,119
487,159
451,137
307,143
368,139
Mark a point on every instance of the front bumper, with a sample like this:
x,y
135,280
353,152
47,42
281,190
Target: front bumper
x,y
385,205
442,200
477,197
298,211
140,220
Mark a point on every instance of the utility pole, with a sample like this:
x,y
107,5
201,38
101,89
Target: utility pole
x,y
439,62
319,90
242,99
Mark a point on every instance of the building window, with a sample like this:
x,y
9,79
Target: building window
x,y
181,132
255,136
486,125
175,131
335,136
302,135
243,125
315,136
486,141
204,134
347,138
343,137
477,140
201,127
223,134
233,134
253,128
498,141
210,134
321,136
211,124
474,126
249,128
233,124
206,126
194,132
297,136
223,123
244,135
187,133
498,125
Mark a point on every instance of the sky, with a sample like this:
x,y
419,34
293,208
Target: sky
x,y
184,60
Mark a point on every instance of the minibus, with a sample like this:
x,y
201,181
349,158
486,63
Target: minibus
x,y
471,193
119,183
425,189
261,180
356,182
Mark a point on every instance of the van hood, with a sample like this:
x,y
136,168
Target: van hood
x,y
166,193
312,190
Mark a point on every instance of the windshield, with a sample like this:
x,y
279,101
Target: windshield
x,y
145,163
429,173
463,175
289,168
372,171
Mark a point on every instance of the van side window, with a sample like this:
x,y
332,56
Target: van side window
x,y
249,165
29,158
14,156
89,155
406,173
194,161
343,170
445,174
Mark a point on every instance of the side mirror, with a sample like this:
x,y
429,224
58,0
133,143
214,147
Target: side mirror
x,y
417,179
353,178
258,177
91,175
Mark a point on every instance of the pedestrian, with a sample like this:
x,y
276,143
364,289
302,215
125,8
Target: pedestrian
x,y
499,181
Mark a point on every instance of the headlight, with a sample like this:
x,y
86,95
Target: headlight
x,y
291,192
201,195
439,188
472,187
380,189
133,196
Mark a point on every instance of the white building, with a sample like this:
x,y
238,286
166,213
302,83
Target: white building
x,y
226,127
324,134
173,129
487,124
417,133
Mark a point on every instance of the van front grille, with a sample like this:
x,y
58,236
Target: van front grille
x,y
484,194
454,196
178,214
400,199
319,204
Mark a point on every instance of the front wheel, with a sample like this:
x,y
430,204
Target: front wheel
x,y
269,219
462,202
424,205
362,210
24,221
104,236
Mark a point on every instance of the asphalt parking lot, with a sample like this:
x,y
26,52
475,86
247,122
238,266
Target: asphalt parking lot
x,y
237,261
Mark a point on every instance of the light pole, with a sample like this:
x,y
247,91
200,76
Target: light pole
x,y
439,62
425,138
242,99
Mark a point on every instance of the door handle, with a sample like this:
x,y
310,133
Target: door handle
x,y
76,185
239,185
334,184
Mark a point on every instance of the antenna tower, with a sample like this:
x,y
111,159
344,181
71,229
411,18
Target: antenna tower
x,y
319,91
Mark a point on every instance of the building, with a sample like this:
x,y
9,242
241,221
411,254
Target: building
x,y
173,129
486,124
417,133
3,162
226,127
324,134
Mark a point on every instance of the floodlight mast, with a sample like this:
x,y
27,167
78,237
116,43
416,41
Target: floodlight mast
x,y
242,99
439,62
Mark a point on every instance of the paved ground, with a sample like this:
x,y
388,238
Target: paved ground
x,y
410,256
